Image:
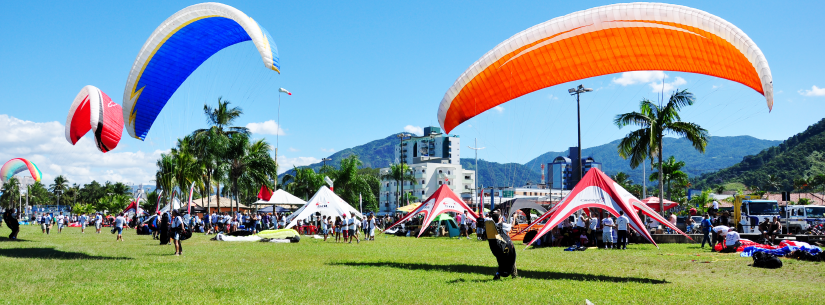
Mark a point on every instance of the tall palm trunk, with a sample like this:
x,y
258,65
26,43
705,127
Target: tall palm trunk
x,y
661,180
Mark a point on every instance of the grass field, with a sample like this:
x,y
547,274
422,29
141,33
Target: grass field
x,y
73,268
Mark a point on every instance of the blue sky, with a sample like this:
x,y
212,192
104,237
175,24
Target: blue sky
x,y
360,71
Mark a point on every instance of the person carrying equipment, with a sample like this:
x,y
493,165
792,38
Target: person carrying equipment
x,y
501,246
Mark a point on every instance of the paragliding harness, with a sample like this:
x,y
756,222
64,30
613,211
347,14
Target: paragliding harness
x,y
502,248
185,233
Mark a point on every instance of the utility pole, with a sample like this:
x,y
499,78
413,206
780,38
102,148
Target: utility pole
x,y
475,181
577,91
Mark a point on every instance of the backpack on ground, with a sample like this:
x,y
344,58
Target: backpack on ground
x,y
765,260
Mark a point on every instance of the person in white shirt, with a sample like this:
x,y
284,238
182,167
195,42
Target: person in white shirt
x,y
621,231
46,223
324,225
120,222
83,223
607,232
593,226
60,221
177,230
371,222
351,227
98,222
731,241
719,233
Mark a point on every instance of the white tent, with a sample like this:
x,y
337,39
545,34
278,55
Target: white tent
x,y
325,202
175,205
281,197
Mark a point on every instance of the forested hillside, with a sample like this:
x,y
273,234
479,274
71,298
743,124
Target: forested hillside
x,y
797,157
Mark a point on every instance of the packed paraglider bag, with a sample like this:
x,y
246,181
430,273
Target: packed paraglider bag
x,y
765,260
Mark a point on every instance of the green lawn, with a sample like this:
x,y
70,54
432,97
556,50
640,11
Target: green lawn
x,y
73,268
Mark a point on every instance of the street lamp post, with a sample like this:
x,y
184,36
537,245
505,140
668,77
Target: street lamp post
x,y
325,161
475,181
577,91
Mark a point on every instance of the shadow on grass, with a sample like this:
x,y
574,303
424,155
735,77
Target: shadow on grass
x,y
485,270
6,239
51,253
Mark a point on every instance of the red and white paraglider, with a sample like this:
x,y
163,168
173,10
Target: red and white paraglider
x,y
94,110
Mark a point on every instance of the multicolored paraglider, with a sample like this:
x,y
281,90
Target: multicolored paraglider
x,y
18,165
605,40
177,48
94,110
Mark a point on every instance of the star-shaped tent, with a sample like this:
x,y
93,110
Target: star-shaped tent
x,y
597,190
442,201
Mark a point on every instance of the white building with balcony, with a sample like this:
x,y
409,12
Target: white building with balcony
x,y
429,173
433,144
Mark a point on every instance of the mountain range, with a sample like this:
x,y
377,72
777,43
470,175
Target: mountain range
x,y
721,152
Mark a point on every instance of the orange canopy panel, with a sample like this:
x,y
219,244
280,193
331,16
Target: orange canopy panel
x,y
606,40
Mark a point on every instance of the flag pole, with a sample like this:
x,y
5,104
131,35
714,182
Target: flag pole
x,y
275,180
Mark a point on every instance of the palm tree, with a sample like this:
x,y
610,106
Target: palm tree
x,y
772,182
302,182
399,172
187,169
60,185
622,179
11,192
210,143
250,161
350,184
672,173
656,121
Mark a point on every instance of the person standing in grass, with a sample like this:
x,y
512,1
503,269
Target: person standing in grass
x,y
46,223
120,222
706,226
98,222
324,226
607,232
371,222
355,226
177,230
338,228
501,246
82,219
60,221
365,226
621,231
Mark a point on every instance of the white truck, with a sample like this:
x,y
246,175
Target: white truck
x,y
750,212
801,217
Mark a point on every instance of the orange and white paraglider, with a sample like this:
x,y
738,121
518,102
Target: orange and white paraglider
x,y
605,40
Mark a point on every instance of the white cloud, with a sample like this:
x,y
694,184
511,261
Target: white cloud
x,y
779,92
268,127
285,163
715,86
552,97
499,109
417,130
654,79
294,149
638,77
815,91
331,150
45,144
668,87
